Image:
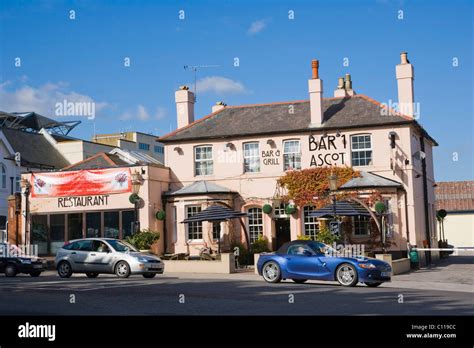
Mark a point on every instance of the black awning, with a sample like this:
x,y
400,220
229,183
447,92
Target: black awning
x,y
214,213
343,208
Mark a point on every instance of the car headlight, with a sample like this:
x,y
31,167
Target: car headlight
x,y
25,261
367,265
141,259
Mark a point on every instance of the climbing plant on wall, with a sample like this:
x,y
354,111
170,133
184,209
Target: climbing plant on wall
x,y
310,186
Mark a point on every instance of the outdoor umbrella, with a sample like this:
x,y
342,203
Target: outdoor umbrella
x,y
217,213
343,208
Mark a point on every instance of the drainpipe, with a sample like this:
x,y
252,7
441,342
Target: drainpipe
x,y
406,215
425,199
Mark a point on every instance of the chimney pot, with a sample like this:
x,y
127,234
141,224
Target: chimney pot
x,y
404,58
315,68
219,105
340,83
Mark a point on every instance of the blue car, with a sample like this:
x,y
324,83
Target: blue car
x,y
301,260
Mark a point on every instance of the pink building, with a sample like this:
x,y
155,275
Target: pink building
x,y
236,154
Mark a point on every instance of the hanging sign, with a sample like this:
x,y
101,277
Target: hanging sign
x,y
81,183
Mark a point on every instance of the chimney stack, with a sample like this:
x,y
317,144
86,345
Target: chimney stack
x,y
344,87
315,87
184,106
405,75
219,105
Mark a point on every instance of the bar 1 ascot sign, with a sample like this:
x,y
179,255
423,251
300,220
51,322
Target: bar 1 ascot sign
x,y
330,150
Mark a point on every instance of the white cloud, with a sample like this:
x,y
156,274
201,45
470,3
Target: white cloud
x,y
257,26
141,113
219,85
42,99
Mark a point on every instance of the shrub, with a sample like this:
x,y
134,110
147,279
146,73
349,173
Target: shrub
x,y
260,245
144,239
244,254
303,237
324,235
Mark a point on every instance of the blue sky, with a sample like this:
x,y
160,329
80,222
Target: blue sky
x,y
83,59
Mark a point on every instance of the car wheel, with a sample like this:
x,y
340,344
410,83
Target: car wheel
x,y
122,269
35,274
149,275
271,272
64,269
92,274
373,285
346,275
299,281
10,270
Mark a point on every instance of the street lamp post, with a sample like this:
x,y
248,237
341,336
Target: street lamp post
x,y
333,188
137,182
26,187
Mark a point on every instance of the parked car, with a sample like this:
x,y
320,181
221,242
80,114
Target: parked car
x,y
93,256
13,261
302,260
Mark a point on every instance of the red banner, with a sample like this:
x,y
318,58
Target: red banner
x,y
81,183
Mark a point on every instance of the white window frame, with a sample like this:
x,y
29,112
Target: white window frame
x,y
4,176
287,155
254,160
355,229
309,222
255,228
361,150
192,225
208,161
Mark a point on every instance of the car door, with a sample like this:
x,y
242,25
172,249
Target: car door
x,y
78,255
100,258
302,261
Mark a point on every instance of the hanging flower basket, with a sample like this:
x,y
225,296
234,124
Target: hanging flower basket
x,y
380,207
290,209
134,198
267,208
160,215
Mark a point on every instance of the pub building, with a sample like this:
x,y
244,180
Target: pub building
x,y
236,154
234,157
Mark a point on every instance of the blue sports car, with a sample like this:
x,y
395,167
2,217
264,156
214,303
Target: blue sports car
x,y
301,260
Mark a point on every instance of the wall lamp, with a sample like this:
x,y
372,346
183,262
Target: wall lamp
x,y
229,146
392,136
271,142
179,150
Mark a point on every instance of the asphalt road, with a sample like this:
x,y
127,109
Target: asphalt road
x,y
236,294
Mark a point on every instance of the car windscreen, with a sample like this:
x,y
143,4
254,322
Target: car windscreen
x,y
121,246
321,248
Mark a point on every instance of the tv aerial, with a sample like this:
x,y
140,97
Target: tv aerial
x,y
194,69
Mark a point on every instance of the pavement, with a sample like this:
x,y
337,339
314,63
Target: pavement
x,y
444,289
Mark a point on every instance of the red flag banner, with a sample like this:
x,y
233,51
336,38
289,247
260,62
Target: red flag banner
x,y
81,183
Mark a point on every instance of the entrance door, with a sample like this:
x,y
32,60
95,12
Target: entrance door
x,y
282,229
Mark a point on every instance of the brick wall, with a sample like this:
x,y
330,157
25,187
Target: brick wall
x,y
455,195
14,220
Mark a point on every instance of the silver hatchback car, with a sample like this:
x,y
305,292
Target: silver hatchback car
x,y
93,256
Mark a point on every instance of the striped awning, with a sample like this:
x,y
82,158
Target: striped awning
x,y
343,208
214,213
